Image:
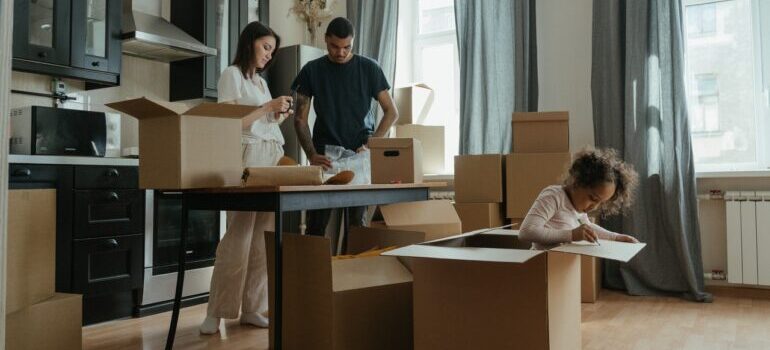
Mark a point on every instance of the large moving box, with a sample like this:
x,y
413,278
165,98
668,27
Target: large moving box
x,y
540,132
30,263
413,103
527,174
183,148
52,324
396,160
432,140
590,278
490,291
359,303
434,218
476,216
479,178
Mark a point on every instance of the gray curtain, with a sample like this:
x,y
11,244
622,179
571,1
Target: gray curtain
x,y
498,70
376,22
640,109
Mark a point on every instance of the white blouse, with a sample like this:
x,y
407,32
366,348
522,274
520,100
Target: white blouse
x,y
233,86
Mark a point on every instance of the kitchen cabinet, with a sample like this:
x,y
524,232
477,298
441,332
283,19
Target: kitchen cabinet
x,y
78,39
99,233
218,24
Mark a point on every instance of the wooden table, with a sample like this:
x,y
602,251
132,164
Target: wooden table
x,y
280,199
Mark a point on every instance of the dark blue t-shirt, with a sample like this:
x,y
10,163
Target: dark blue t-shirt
x,y
343,95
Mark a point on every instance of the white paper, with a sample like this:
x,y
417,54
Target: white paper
x,y
612,250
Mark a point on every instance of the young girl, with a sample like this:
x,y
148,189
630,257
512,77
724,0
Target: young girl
x,y
597,179
239,281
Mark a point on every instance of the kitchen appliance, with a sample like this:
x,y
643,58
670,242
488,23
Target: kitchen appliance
x,y
163,225
38,130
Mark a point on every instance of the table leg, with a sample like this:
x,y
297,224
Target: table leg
x,y
179,278
345,229
278,274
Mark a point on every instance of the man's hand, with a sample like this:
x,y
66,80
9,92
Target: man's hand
x,y
318,159
584,233
363,148
626,239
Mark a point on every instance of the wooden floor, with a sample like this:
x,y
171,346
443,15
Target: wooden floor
x,y
736,320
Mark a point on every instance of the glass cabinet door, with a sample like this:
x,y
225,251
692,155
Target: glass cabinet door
x,y
41,23
96,26
41,30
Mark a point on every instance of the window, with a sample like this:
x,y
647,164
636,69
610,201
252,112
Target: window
x,y
427,53
726,83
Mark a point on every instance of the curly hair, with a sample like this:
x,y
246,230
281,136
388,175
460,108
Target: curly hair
x,y
592,167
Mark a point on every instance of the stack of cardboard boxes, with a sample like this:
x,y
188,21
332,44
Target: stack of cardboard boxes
x,y
35,316
413,103
540,157
479,190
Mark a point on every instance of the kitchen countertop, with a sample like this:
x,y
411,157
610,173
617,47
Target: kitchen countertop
x,y
69,160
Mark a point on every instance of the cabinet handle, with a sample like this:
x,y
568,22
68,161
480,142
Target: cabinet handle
x,y
111,244
42,54
25,172
112,172
95,63
113,196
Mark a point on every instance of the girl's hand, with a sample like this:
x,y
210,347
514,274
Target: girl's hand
x,y
626,239
584,233
280,104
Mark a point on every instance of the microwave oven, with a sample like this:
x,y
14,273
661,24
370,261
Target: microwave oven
x,y
38,130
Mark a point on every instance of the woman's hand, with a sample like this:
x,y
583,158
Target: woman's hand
x,y
584,233
281,104
626,239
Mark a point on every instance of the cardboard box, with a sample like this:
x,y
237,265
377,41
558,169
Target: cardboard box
x,y
52,324
490,291
527,174
432,141
540,132
396,160
479,178
413,103
31,259
434,218
184,148
590,278
476,216
361,303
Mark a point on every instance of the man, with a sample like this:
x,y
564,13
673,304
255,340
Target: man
x,y
343,86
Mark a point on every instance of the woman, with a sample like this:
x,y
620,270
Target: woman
x,y
240,270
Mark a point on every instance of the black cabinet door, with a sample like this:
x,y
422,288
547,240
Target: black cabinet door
x,y
96,26
108,265
100,213
41,30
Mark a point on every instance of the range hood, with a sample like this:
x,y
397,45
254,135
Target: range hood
x,y
154,38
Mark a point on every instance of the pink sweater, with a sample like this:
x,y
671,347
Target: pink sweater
x,y
552,218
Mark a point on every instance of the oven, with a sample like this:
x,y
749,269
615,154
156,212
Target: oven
x,y
163,212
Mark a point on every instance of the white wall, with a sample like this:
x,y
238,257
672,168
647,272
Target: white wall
x,y
564,64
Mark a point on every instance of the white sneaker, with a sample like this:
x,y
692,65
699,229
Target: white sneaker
x,y
210,325
255,319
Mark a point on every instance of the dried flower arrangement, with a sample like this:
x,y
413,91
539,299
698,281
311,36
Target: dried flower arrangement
x,y
313,12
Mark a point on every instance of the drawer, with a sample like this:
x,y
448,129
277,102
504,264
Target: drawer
x,y
105,177
100,213
108,265
32,173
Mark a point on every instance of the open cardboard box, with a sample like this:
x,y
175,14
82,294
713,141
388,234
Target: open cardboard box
x,y
413,103
183,148
433,218
360,303
488,290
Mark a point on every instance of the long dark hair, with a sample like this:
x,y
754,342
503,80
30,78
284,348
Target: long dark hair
x,y
244,55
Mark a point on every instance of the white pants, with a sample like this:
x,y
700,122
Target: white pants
x,y
240,268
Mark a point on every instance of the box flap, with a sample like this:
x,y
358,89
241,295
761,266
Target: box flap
x,y
396,142
540,116
376,271
362,239
144,108
420,213
612,250
221,110
516,256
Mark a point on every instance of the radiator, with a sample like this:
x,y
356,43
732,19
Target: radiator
x,y
748,237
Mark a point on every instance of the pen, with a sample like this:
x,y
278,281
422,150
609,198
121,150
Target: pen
x,y
583,221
